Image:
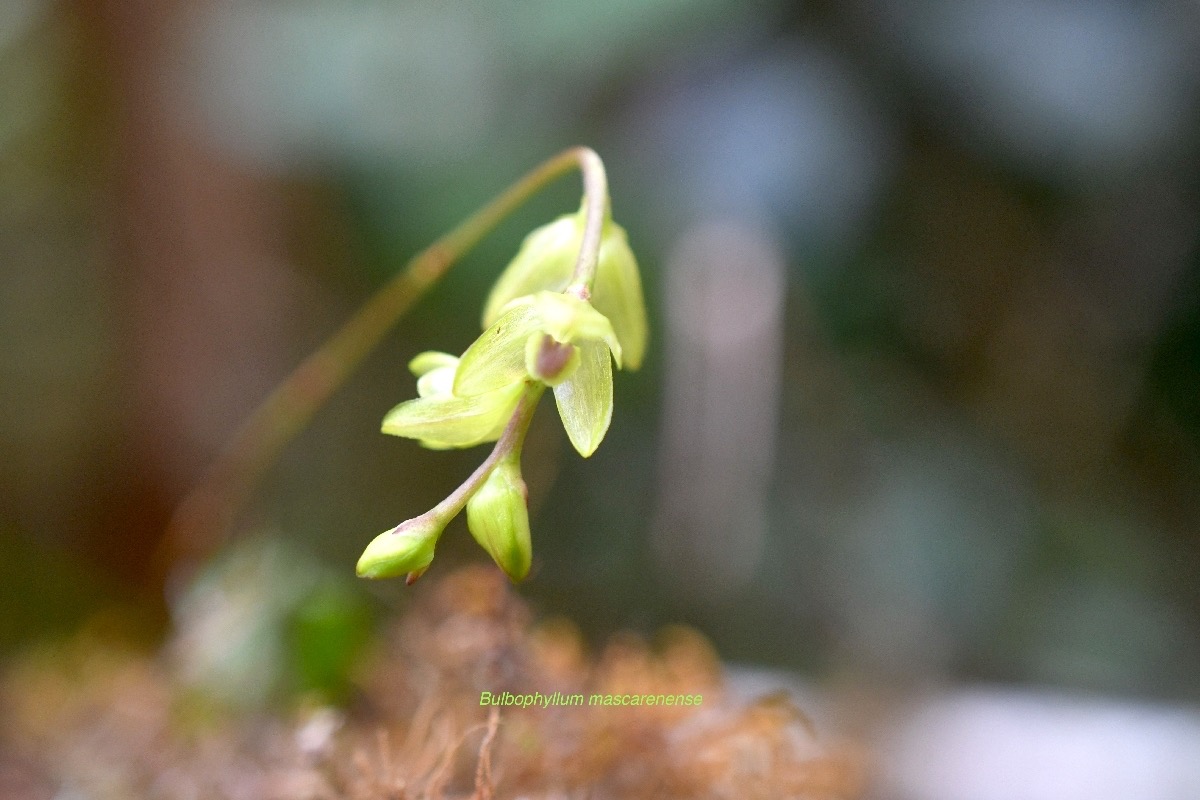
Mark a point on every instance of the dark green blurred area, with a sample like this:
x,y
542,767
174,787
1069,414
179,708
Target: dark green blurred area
x,y
923,397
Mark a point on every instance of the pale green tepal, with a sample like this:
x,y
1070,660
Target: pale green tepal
x,y
544,326
498,516
442,420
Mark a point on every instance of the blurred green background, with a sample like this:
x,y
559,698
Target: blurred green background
x,y
923,398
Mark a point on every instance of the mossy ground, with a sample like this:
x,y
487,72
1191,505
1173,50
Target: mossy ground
x,y
85,721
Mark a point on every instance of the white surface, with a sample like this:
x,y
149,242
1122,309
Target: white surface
x,y
1014,745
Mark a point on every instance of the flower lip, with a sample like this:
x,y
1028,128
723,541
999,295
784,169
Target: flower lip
x,y
584,398
549,360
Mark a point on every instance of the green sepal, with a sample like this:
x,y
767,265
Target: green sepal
x,y
617,294
430,360
544,262
443,421
585,399
497,357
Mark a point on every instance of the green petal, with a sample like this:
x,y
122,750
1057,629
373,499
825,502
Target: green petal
x,y
429,361
617,294
544,263
435,373
497,357
446,421
436,383
585,400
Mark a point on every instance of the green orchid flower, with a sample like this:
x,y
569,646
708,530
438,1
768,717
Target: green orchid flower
x,y
545,263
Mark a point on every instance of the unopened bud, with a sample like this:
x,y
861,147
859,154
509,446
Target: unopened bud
x,y
406,549
498,516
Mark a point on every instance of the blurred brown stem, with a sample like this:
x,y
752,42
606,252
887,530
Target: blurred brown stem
x,y
202,521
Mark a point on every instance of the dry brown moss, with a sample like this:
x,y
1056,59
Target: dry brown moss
x,y
106,726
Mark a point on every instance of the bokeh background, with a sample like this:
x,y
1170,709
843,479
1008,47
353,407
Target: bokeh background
x,y
923,399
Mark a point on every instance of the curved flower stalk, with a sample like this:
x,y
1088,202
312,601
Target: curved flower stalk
x,y
567,307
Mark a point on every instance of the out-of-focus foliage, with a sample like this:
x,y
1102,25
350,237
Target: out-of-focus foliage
x,y
264,622
922,287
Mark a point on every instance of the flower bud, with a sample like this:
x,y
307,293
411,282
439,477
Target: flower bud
x,y
407,548
498,516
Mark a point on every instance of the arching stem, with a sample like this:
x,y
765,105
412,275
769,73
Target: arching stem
x,y
595,199
202,521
